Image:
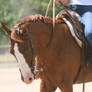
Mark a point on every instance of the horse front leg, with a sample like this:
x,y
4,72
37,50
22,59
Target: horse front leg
x,y
66,87
47,88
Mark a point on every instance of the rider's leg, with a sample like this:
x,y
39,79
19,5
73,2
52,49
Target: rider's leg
x,y
87,21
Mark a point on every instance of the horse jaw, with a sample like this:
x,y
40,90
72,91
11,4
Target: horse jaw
x,y
6,29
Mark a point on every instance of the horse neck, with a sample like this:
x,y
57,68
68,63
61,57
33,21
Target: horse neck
x,y
58,38
41,33
63,42
61,46
41,38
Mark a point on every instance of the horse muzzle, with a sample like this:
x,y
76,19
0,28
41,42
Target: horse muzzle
x,y
27,80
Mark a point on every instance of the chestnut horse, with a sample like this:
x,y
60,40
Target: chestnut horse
x,y
54,55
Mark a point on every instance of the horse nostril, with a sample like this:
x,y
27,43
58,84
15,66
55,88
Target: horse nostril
x,y
30,78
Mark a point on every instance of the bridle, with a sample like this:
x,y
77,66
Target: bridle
x,y
32,61
34,69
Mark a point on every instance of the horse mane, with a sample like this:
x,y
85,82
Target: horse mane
x,y
35,18
38,17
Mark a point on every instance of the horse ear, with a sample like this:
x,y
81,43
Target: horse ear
x,y
6,29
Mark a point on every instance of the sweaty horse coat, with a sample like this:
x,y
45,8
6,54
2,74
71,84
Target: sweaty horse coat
x,y
55,52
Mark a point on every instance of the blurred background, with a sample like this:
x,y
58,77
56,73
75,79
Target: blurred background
x,y
11,12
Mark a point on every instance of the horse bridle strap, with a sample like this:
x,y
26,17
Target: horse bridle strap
x,y
38,69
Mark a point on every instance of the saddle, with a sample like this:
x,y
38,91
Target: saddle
x,y
78,27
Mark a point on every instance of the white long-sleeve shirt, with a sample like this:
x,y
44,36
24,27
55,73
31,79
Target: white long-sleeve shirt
x,y
81,2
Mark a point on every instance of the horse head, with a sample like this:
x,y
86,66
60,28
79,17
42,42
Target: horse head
x,y
21,48
22,44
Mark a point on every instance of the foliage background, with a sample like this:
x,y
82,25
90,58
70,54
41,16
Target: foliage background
x,y
12,11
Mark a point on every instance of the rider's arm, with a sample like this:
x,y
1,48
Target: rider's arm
x,y
63,1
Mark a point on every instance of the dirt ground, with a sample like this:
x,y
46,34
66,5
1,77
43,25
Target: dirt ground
x,y
10,81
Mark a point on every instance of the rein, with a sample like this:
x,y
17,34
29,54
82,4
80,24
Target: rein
x,y
53,11
53,14
46,14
